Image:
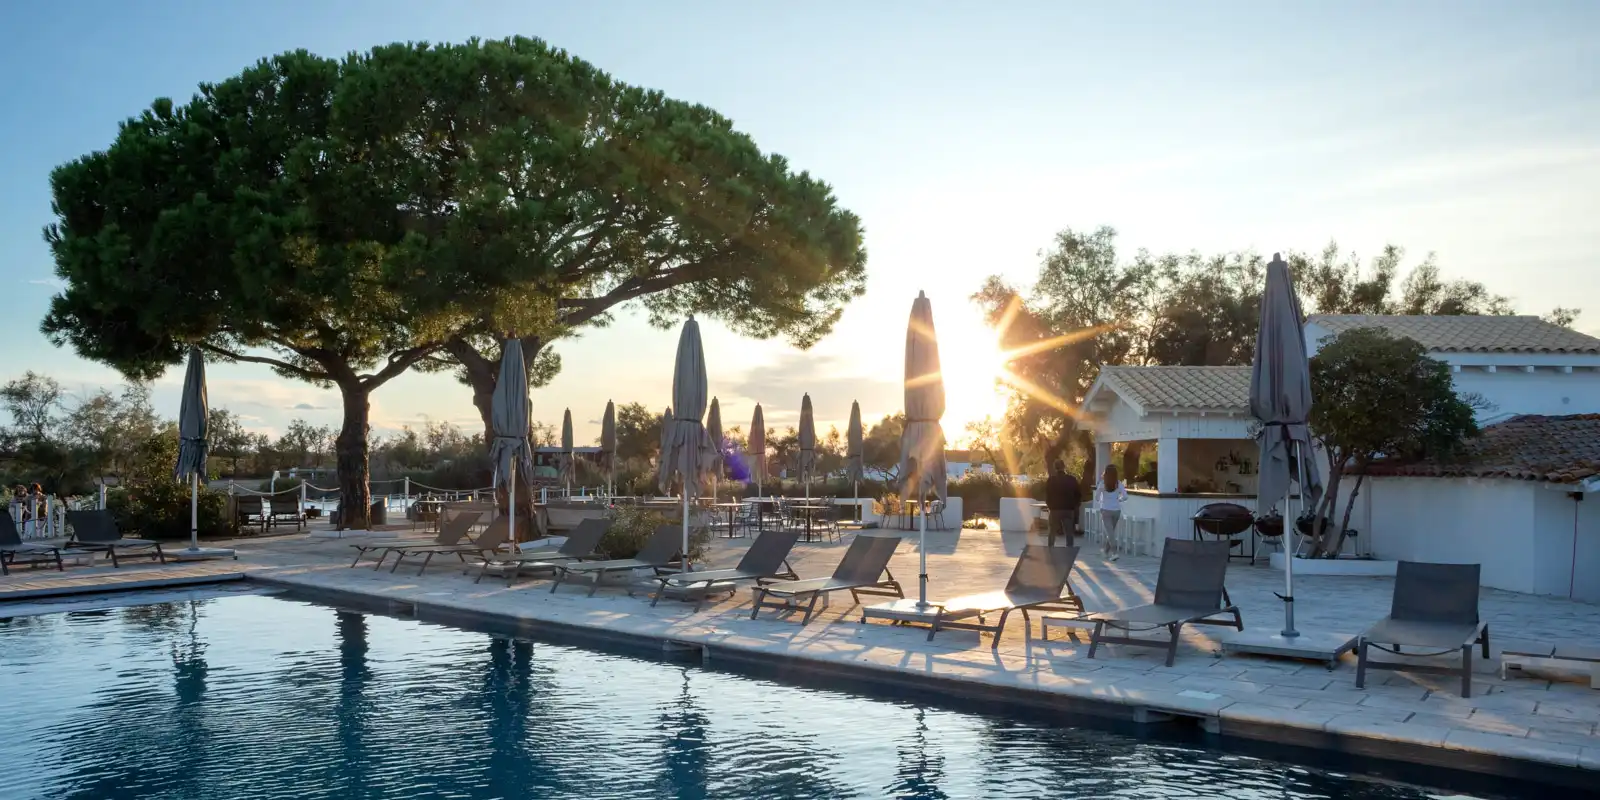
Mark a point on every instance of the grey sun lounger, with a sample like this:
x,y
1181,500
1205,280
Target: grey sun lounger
x,y
450,534
581,543
767,559
1039,582
14,551
658,553
491,539
96,531
1435,609
863,570
1190,590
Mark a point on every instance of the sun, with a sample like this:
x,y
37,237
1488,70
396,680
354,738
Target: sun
x,y
972,362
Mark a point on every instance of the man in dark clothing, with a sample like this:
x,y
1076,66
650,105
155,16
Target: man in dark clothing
x,y
1062,496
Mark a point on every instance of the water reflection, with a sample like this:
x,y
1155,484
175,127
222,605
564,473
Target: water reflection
x,y
920,771
683,727
351,711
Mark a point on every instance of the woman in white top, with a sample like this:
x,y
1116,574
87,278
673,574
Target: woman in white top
x,y
1108,496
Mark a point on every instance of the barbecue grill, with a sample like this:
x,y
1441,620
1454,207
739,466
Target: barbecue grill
x,y
1226,521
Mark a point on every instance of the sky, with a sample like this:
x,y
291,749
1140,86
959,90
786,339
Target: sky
x,y
963,134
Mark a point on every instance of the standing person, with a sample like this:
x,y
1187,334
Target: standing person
x,y
1108,495
1062,496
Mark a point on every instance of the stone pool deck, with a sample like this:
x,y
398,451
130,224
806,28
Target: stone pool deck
x,y
1533,725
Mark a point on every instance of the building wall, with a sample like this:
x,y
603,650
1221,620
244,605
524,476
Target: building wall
x,y
1527,537
1543,391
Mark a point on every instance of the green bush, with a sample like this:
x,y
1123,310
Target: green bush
x,y
631,525
160,510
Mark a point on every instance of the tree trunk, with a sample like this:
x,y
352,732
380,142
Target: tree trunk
x,y
1130,461
355,496
1326,509
1349,506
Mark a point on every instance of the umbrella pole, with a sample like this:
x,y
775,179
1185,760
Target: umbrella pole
x,y
922,551
511,504
859,516
194,511
1288,556
685,553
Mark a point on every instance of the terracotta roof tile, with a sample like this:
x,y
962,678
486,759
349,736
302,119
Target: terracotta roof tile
x,y
1216,389
1563,449
1470,334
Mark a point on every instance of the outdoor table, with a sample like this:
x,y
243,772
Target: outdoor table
x,y
732,509
810,511
1042,511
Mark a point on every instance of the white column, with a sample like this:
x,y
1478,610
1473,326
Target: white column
x,y
1167,466
1102,457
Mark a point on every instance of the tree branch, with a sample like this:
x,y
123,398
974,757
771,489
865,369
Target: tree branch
x,y
271,362
398,363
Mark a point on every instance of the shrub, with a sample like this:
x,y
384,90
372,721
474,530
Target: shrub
x,y
631,525
160,510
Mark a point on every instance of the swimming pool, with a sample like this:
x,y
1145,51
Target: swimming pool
x,y
258,696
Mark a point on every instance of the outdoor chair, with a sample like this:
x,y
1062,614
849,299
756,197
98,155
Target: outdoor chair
x,y
286,510
1190,590
748,518
1435,607
493,537
450,534
96,531
1039,582
864,570
14,551
248,511
581,543
658,553
766,559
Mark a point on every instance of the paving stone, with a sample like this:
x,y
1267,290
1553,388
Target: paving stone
x,y
1381,726
1275,715
1513,747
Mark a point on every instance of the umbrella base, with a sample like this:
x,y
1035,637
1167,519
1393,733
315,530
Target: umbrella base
x,y
201,553
905,610
1312,645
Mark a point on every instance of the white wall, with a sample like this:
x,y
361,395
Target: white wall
x,y
1543,391
1521,532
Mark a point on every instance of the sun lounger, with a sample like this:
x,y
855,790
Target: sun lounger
x,y
863,570
285,509
491,539
1038,582
1190,590
1517,656
767,559
14,551
1435,608
658,552
450,534
580,544
96,531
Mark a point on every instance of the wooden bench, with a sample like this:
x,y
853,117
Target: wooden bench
x,y
1518,656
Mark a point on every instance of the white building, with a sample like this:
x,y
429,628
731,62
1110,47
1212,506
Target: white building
x,y
1520,365
1521,501
1198,418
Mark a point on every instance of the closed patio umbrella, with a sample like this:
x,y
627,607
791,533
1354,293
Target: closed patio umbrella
x,y
193,428
687,450
714,434
568,467
757,447
1280,397
510,415
922,465
808,444
855,453
608,446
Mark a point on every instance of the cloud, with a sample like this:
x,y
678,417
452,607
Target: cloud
x,y
307,407
779,386
53,283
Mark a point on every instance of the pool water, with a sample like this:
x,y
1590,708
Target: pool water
x,y
256,696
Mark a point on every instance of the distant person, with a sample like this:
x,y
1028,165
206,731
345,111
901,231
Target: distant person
x,y
1108,496
1062,495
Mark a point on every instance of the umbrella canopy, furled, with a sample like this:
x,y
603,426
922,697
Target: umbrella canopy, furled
x,y
1280,390
757,447
922,443
855,448
510,416
608,433
663,475
687,450
193,420
808,440
568,465
714,435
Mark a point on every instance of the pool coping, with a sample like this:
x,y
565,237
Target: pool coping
x,y
1355,748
